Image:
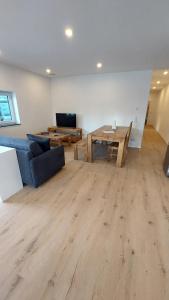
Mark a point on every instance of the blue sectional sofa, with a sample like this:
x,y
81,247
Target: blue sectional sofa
x,y
36,166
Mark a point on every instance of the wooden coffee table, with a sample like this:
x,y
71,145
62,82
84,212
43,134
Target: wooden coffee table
x,y
56,138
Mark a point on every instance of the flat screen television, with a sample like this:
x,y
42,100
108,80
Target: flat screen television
x,y
66,120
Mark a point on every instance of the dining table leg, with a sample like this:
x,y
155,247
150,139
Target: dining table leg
x,y
89,148
119,161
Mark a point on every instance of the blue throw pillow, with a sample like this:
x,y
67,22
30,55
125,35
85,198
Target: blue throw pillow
x,y
35,148
43,142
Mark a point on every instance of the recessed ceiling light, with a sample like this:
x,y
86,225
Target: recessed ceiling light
x,y
154,87
99,65
158,82
69,32
165,72
48,71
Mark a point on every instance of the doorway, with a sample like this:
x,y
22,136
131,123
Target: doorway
x,y
157,115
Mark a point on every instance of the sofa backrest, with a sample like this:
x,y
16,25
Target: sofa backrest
x,y
21,144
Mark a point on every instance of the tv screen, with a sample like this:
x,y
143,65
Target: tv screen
x,y
66,120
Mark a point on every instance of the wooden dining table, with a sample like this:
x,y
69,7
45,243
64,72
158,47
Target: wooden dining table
x,y
106,133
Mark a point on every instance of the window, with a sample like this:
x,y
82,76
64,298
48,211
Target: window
x,y
8,109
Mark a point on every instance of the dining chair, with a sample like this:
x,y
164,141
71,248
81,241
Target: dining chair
x,y
127,142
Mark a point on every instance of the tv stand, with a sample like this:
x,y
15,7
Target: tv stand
x,y
75,134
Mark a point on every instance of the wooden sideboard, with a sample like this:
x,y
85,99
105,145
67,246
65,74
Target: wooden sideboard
x,y
75,134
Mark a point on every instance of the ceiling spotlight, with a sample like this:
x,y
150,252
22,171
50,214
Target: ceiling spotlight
x,y
48,71
154,87
69,32
165,72
99,65
158,82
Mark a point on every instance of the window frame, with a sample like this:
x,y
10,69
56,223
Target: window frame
x,y
13,110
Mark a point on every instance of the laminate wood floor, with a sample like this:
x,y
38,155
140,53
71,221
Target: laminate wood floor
x,y
92,232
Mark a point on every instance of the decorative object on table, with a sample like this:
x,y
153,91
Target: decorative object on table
x,y
114,125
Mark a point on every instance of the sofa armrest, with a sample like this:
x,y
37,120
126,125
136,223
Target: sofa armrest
x,y
46,165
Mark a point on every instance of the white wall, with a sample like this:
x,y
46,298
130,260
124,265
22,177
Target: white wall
x,y
97,100
101,99
33,98
161,113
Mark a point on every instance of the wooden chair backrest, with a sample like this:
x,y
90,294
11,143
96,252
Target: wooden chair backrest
x,y
127,142
129,133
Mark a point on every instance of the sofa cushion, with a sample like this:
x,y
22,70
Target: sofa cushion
x,y
43,142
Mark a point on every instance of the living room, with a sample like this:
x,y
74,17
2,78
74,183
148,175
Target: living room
x,y
83,183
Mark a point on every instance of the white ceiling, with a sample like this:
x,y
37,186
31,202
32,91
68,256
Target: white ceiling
x,y
124,34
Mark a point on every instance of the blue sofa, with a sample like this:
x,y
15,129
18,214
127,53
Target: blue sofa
x,y
35,165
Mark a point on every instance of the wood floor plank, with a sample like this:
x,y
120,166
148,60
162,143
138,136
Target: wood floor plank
x,y
92,232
